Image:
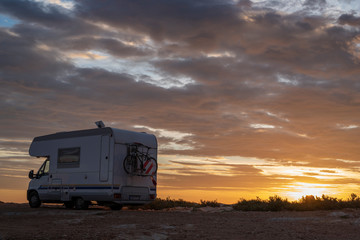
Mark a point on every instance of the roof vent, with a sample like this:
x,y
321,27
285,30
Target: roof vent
x,y
100,124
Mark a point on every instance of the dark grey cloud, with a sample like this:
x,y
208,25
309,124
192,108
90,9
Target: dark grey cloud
x,y
22,62
349,19
312,3
31,11
159,19
245,3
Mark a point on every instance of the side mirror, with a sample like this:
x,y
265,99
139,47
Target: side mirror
x,y
31,174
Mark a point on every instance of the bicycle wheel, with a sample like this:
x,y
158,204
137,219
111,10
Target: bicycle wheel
x,y
130,164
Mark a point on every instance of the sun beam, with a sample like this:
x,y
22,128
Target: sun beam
x,y
300,189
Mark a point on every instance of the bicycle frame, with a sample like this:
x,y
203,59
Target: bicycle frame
x,y
138,161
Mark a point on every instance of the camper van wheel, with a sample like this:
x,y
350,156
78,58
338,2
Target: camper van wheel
x,y
34,200
69,204
81,204
116,206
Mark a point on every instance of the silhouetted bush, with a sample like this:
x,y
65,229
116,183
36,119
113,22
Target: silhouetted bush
x,y
250,205
213,203
353,201
274,203
159,204
306,203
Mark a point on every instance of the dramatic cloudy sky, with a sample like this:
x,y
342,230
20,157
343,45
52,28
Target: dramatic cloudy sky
x,y
247,98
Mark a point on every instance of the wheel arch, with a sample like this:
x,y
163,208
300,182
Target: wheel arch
x,y
29,191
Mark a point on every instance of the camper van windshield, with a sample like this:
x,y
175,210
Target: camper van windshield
x,y
44,169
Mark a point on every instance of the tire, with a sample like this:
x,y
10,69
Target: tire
x,y
34,200
81,204
116,206
69,204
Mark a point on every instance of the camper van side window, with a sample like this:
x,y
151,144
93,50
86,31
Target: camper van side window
x,y
69,157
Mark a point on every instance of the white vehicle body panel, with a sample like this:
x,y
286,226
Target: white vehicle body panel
x,y
99,174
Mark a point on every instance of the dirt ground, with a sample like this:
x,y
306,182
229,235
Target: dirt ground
x,y
19,221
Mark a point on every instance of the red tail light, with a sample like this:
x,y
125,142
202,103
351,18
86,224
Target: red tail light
x,y
117,195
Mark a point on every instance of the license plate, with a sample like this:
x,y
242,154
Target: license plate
x,y
134,197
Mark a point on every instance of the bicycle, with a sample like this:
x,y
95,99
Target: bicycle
x,y
138,161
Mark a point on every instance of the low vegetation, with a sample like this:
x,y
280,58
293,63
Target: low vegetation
x,y
273,203
213,203
306,203
159,204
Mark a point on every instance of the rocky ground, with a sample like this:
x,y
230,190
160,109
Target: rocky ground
x,y
19,221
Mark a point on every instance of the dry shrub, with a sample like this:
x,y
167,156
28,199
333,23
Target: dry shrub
x,y
205,203
306,203
274,203
159,204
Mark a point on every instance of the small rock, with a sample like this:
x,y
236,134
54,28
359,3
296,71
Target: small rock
x,y
357,221
126,226
338,214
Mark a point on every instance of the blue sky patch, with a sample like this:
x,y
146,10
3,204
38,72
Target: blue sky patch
x,y
6,21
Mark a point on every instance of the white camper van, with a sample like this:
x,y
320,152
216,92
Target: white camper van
x,y
107,165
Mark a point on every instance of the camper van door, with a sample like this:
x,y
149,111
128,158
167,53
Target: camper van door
x,y
105,158
41,182
54,188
